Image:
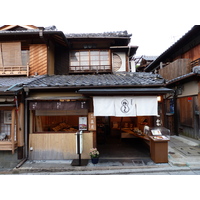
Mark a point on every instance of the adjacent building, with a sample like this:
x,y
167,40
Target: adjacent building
x,y
180,65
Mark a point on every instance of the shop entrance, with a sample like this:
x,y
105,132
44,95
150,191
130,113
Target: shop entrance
x,y
112,142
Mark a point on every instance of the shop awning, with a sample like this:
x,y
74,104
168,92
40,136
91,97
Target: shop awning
x,y
130,91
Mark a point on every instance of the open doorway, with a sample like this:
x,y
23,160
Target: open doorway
x,y
113,143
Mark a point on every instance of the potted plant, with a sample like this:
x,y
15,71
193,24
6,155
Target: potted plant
x,y
94,154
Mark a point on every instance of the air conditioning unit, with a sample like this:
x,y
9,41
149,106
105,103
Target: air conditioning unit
x,y
119,62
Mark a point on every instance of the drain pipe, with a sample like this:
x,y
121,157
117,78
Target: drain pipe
x,y
176,130
26,129
21,163
11,87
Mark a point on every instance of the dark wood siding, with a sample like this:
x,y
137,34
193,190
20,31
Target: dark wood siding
x,y
38,59
186,111
61,61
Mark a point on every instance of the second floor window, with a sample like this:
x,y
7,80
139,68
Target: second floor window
x,y
90,60
13,61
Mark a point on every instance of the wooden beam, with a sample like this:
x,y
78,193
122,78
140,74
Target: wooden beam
x,y
13,131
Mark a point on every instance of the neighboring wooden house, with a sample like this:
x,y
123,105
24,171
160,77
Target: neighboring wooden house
x,y
78,82
179,65
25,51
143,62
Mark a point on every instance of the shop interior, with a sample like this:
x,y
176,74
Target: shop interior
x,y
114,141
116,137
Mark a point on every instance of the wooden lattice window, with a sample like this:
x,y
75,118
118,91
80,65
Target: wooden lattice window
x,y
12,59
90,60
117,62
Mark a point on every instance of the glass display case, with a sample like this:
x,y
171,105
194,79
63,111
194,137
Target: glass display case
x,y
159,133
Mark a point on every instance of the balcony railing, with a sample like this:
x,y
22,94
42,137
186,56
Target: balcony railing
x,y
195,63
13,70
90,69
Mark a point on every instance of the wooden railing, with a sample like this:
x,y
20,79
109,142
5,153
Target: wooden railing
x,y
195,63
13,70
175,69
178,68
90,69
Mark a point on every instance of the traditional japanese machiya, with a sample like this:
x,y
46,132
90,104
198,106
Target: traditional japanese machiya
x,y
76,82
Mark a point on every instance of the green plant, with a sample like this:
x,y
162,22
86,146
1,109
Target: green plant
x,y
94,153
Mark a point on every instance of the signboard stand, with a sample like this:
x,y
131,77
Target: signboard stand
x,y
79,150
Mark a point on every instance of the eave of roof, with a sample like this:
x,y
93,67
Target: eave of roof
x,y
131,50
182,78
58,35
109,91
123,79
13,85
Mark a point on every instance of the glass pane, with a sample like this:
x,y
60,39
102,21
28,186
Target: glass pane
x,y
94,53
105,62
94,57
84,53
84,58
103,53
74,58
84,63
95,63
104,58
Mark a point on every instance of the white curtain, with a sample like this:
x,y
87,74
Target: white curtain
x,y
104,106
146,106
125,106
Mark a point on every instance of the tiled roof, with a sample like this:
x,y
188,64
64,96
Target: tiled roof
x,y
136,79
8,83
96,35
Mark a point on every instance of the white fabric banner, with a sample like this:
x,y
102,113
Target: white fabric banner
x,y
146,106
125,106
104,106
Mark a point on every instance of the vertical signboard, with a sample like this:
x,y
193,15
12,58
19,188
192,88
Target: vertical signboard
x,y
91,122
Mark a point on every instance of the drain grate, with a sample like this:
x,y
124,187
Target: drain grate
x,y
189,151
138,162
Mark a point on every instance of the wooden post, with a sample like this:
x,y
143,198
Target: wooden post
x,y
13,131
20,123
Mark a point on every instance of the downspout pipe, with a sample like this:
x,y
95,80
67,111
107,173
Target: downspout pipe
x,y
11,87
26,129
175,114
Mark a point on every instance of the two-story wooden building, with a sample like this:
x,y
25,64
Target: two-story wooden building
x,y
78,82
26,52
179,65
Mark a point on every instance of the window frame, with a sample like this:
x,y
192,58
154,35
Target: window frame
x,y
102,64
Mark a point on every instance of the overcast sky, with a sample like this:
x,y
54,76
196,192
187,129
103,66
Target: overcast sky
x,y
154,24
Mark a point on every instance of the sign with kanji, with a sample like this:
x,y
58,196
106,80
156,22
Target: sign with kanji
x,y
91,122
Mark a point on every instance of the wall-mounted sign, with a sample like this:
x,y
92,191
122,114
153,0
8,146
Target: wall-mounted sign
x,y
91,122
82,123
